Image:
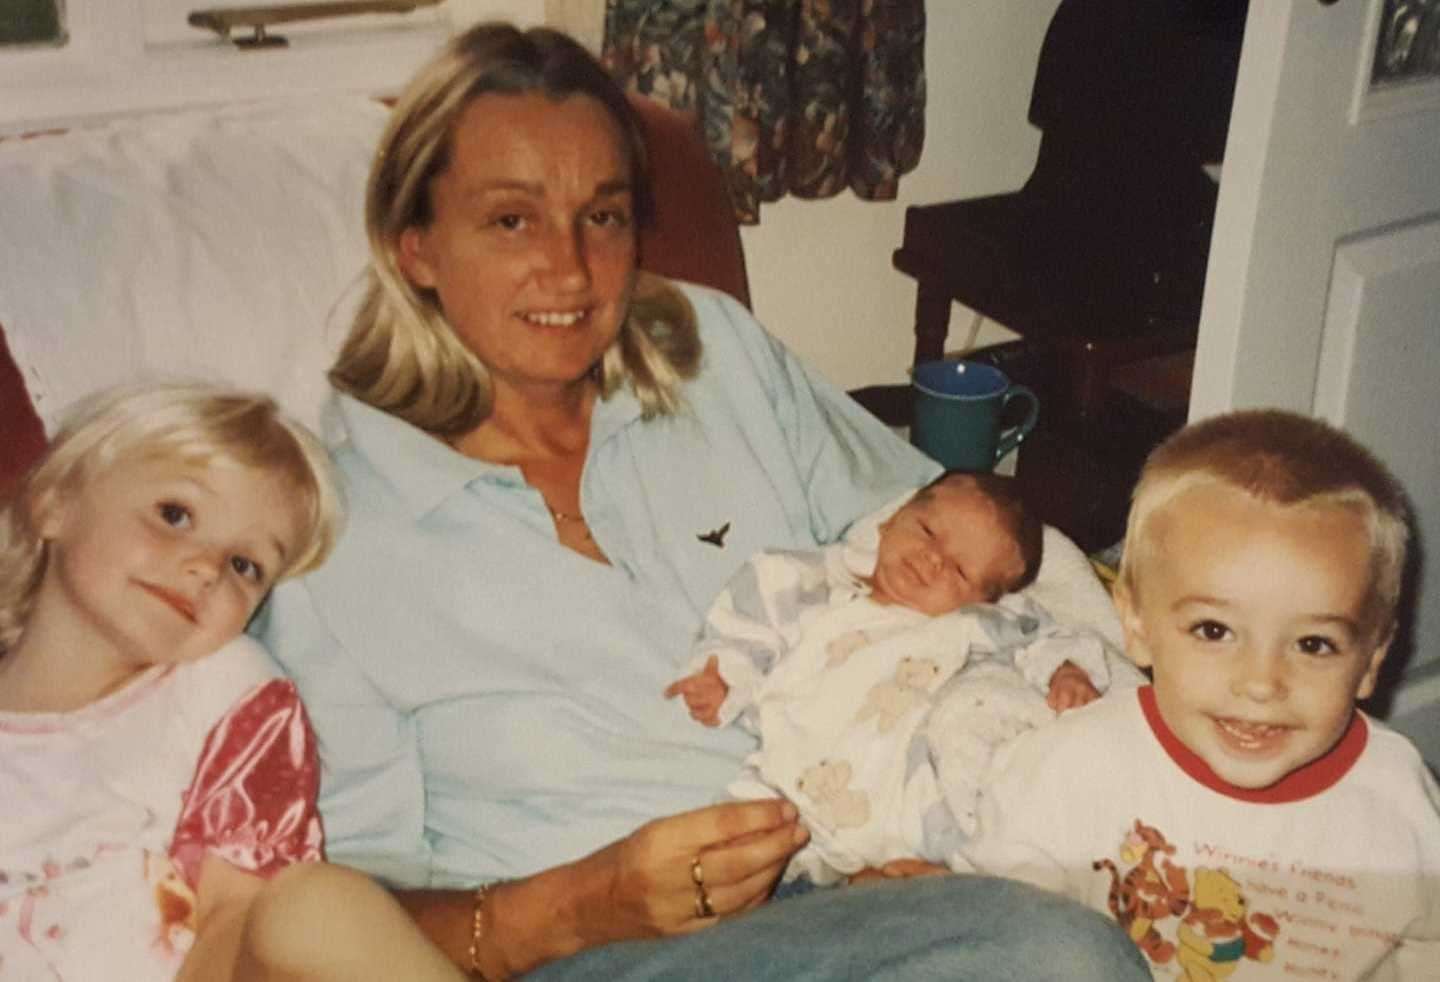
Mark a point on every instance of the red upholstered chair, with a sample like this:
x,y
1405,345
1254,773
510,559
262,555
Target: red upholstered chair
x,y
694,237
21,435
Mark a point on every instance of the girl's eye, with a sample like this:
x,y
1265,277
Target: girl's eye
x,y
1315,644
927,530
176,516
247,568
509,222
1210,631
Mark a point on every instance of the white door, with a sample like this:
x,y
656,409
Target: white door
x,y
1323,293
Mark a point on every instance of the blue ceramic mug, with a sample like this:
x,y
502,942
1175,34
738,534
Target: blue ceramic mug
x,y
959,406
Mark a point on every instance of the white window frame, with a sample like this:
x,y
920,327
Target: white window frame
x,y
107,68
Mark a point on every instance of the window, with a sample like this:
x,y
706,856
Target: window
x,y
165,22
119,56
122,56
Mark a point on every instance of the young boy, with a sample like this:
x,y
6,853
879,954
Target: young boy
x,y
1240,815
836,657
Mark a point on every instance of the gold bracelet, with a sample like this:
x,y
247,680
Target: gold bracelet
x,y
477,930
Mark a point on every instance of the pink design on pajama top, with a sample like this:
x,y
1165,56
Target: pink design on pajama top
x,y
252,801
112,809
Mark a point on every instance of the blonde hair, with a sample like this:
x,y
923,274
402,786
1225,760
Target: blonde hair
x,y
1285,459
197,424
401,355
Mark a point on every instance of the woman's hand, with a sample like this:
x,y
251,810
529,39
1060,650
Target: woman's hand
x,y
643,886
724,858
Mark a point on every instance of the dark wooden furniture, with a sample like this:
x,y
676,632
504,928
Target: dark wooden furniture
x,y
1098,261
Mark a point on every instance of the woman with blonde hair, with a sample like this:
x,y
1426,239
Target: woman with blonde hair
x,y
554,464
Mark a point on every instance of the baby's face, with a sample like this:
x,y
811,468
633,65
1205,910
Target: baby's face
x,y
1252,616
944,549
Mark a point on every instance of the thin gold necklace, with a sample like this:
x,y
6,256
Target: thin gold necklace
x,y
561,517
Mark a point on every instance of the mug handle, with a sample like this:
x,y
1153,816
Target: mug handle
x,y
1010,439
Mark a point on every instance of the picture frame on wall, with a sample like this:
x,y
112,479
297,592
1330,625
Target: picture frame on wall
x,y
32,22
1399,71
1407,44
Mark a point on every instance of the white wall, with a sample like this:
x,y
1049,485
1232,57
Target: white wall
x,y
820,271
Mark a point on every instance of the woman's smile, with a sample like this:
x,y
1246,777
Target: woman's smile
x,y
555,318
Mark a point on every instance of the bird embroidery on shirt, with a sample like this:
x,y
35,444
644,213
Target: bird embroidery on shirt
x,y
717,537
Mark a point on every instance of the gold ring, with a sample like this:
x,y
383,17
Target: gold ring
x,y
697,873
702,903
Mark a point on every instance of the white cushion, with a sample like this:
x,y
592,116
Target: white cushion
x,y
225,244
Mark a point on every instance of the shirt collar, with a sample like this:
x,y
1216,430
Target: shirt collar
x,y
1319,775
424,471
610,416
421,469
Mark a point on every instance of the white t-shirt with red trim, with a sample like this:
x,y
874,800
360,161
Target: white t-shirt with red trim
x,y
108,812
1331,874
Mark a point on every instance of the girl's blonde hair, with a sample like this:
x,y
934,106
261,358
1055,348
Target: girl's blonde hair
x,y
196,424
1284,459
401,355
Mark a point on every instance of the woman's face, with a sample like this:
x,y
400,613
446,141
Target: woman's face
x,y
532,246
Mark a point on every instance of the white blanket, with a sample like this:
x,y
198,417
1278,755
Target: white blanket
x,y
208,245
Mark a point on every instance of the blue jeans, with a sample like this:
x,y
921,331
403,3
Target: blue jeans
x,y
946,927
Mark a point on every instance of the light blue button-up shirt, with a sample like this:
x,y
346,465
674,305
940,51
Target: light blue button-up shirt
x,y
489,702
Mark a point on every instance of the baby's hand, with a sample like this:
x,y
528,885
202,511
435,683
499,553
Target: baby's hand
x,y
704,692
1070,688
898,869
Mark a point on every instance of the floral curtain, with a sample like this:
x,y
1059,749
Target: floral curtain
x,y
803,97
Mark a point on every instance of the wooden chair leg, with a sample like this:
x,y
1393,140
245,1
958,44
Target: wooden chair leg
x,y
932,323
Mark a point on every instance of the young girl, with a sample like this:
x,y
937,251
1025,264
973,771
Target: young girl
x,y
158,782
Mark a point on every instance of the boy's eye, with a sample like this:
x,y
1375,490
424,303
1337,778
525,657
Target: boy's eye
x,y
1210,631
610,218
247,568
1315,644
176,516
510,222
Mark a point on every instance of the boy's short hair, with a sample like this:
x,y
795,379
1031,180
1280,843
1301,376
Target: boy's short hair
x,y
1285,459
1018,521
